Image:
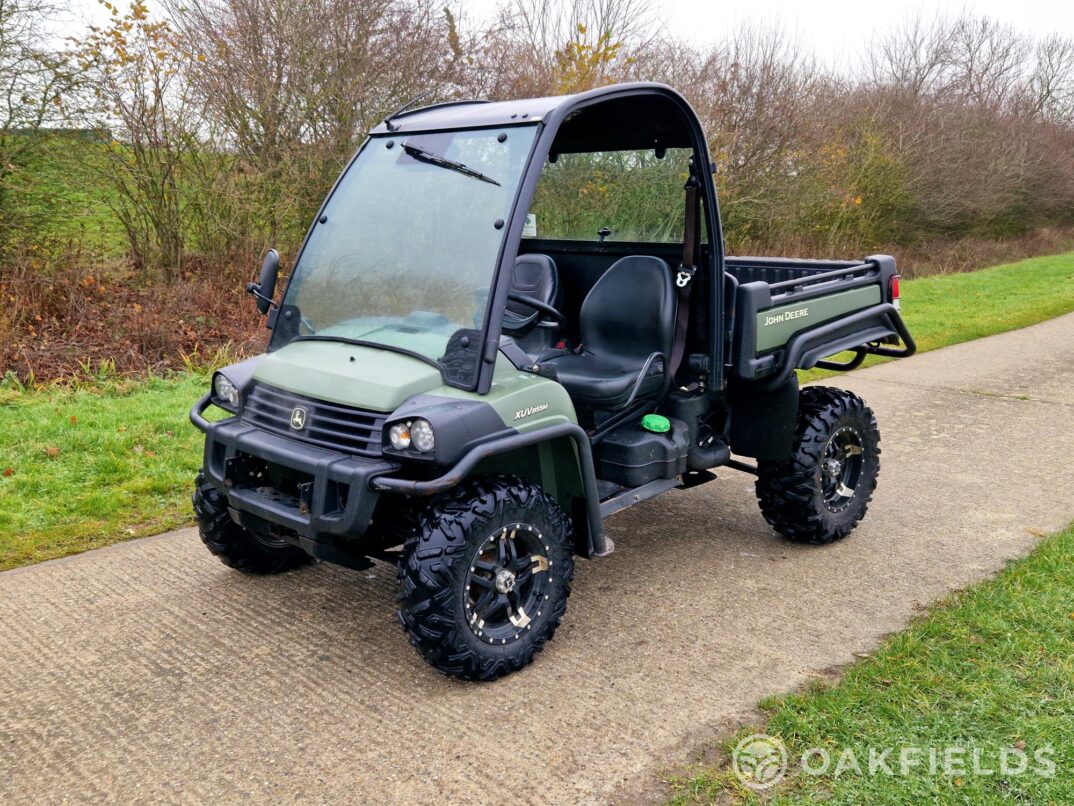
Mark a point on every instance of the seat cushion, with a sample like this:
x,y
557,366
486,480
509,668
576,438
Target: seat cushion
x,y
534,276
602,383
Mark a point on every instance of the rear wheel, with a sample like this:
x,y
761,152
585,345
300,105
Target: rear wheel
x,y
819,494
235,546
484,582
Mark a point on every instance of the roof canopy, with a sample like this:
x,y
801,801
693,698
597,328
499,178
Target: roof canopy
x,y
616,118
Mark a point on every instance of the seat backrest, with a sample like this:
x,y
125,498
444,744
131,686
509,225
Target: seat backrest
x,y
534,276
630,312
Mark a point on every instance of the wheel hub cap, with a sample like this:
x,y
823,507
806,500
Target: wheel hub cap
x,y
835,467
505,581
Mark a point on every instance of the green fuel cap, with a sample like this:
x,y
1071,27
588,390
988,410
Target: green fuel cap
x,y
657,423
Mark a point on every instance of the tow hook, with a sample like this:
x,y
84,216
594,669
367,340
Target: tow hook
x,y
304,494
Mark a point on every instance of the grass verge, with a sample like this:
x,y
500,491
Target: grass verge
x,y
948,309
94,465
81,468
990,669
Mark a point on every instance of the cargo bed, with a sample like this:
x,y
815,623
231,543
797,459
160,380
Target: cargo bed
x,y
786,314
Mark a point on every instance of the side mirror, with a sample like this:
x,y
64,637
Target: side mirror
x,y
265,287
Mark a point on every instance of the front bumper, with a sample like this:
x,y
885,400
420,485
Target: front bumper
x,y
327,497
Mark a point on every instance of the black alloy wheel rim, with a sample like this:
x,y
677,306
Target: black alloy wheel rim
x,y
507,584
841,468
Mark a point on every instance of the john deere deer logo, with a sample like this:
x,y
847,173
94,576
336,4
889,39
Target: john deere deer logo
x,y
298,418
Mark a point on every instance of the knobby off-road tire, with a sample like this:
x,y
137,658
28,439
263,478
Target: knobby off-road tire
x,y
484,581
237,547
820,493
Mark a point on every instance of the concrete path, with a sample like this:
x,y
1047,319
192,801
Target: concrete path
x,y
147,671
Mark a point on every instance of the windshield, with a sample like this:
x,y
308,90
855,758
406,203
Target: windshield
x,y
406,247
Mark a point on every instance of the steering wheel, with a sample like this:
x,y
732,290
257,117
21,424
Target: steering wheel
x,y
553,318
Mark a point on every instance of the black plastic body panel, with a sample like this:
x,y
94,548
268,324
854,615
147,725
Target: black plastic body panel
x,y
858,329
763,421
460,425
339,502
598,544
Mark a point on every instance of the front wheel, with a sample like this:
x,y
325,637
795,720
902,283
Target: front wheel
x,y
822,490
485,579
235,546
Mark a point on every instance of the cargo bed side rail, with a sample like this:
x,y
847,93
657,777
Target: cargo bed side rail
x,y
801,283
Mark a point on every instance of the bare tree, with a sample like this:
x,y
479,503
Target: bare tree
x,y
1051,85
914,56
754,93
292,87
989,61
135,66
33,83
538,47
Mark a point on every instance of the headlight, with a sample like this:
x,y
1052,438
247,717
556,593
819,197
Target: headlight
x,y
399,436
226,391
415,434
421,435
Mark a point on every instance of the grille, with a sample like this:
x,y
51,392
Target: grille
x,y
328,425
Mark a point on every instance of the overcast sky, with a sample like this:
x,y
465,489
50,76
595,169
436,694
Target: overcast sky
x,y
838,30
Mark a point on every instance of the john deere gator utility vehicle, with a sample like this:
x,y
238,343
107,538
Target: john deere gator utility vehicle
x,y
508,322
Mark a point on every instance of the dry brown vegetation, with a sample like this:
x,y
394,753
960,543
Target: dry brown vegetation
x,y
222,123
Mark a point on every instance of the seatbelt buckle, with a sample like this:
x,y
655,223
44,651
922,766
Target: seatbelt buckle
x,y
684,275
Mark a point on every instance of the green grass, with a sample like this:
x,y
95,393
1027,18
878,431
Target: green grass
x,y
124,466
61,192
991,667
947,309
81,468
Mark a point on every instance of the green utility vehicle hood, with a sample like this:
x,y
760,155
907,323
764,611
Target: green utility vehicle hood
x,y
348,374
381,380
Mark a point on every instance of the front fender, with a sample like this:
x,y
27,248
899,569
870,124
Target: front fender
x,y
505,453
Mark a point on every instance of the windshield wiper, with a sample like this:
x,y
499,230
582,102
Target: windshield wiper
x,y
421,154
376,345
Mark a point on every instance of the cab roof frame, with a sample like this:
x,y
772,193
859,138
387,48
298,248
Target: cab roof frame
x,y
629,117
636,116
575,123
